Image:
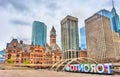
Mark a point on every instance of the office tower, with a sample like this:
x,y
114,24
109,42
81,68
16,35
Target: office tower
x,y
2,56
100,46
114,18
115,26
82,38
70,37
39,31
107,14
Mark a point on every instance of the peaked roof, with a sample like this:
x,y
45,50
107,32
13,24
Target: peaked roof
x,y
55,47
113,9
113,3
19,45
53,29
14,41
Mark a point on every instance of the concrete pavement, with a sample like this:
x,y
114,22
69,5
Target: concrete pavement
x,y
46,73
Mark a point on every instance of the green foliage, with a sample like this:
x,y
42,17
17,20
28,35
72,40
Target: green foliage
x,y
27,62
11,61
84,62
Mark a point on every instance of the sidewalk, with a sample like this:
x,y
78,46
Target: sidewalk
x,y
46,73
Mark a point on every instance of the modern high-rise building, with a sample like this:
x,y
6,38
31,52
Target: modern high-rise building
x,y
114,18
82,38
39,31
103,36
2,56
70,37
107,14
99,39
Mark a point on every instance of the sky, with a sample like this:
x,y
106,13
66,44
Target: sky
x,y
17,16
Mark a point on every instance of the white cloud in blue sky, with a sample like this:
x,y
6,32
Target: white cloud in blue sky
x,y
17,16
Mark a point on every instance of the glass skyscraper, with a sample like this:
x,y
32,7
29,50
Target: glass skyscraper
x,y
114,18
2,56
70,37
107,14
39,31
114,21
82,38
102,38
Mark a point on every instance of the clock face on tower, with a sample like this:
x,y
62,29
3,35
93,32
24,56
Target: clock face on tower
x,y
52,33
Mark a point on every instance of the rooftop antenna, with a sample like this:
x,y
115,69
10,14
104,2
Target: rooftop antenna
x,y
113,3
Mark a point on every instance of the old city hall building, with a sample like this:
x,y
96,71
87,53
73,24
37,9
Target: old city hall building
x,y
20,53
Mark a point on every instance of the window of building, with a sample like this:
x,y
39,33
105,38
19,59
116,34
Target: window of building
x,y
60,57
14,51
17,61
9,56
9,50
17,55
55,57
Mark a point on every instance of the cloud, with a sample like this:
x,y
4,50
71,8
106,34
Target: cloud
x,y
24,39
53,6
18,5
23,12
19,22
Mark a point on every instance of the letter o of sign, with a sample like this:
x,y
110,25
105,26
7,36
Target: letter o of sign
x,y
100,68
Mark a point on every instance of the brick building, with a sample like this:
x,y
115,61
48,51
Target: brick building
x,y
83,53
16,51
20,53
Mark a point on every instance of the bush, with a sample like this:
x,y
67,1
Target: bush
x,y
11,61
27,62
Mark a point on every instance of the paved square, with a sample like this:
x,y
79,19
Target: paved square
x,y
46,73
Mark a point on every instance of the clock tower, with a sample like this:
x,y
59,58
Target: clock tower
x,y
52,37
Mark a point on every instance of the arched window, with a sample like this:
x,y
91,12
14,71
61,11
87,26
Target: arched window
x,y
60,57
55,57
9,56
9,50
17,55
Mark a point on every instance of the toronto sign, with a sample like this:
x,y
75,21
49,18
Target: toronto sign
x,y
90,68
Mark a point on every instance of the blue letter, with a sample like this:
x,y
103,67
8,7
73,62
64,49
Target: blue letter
x,y
81,67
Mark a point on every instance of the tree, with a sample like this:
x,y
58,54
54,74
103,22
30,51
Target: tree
x,y
11,61
27,62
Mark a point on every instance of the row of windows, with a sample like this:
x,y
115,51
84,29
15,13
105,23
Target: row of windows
x,y
9,55
38,59
38,50
36,55
13,50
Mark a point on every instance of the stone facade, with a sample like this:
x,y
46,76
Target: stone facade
x,y
56,52
21,53
116,40
100,45
56,56
37,55
16,51
34,54
83,54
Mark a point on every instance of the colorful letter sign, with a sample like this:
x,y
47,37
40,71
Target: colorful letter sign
x,y
91,68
